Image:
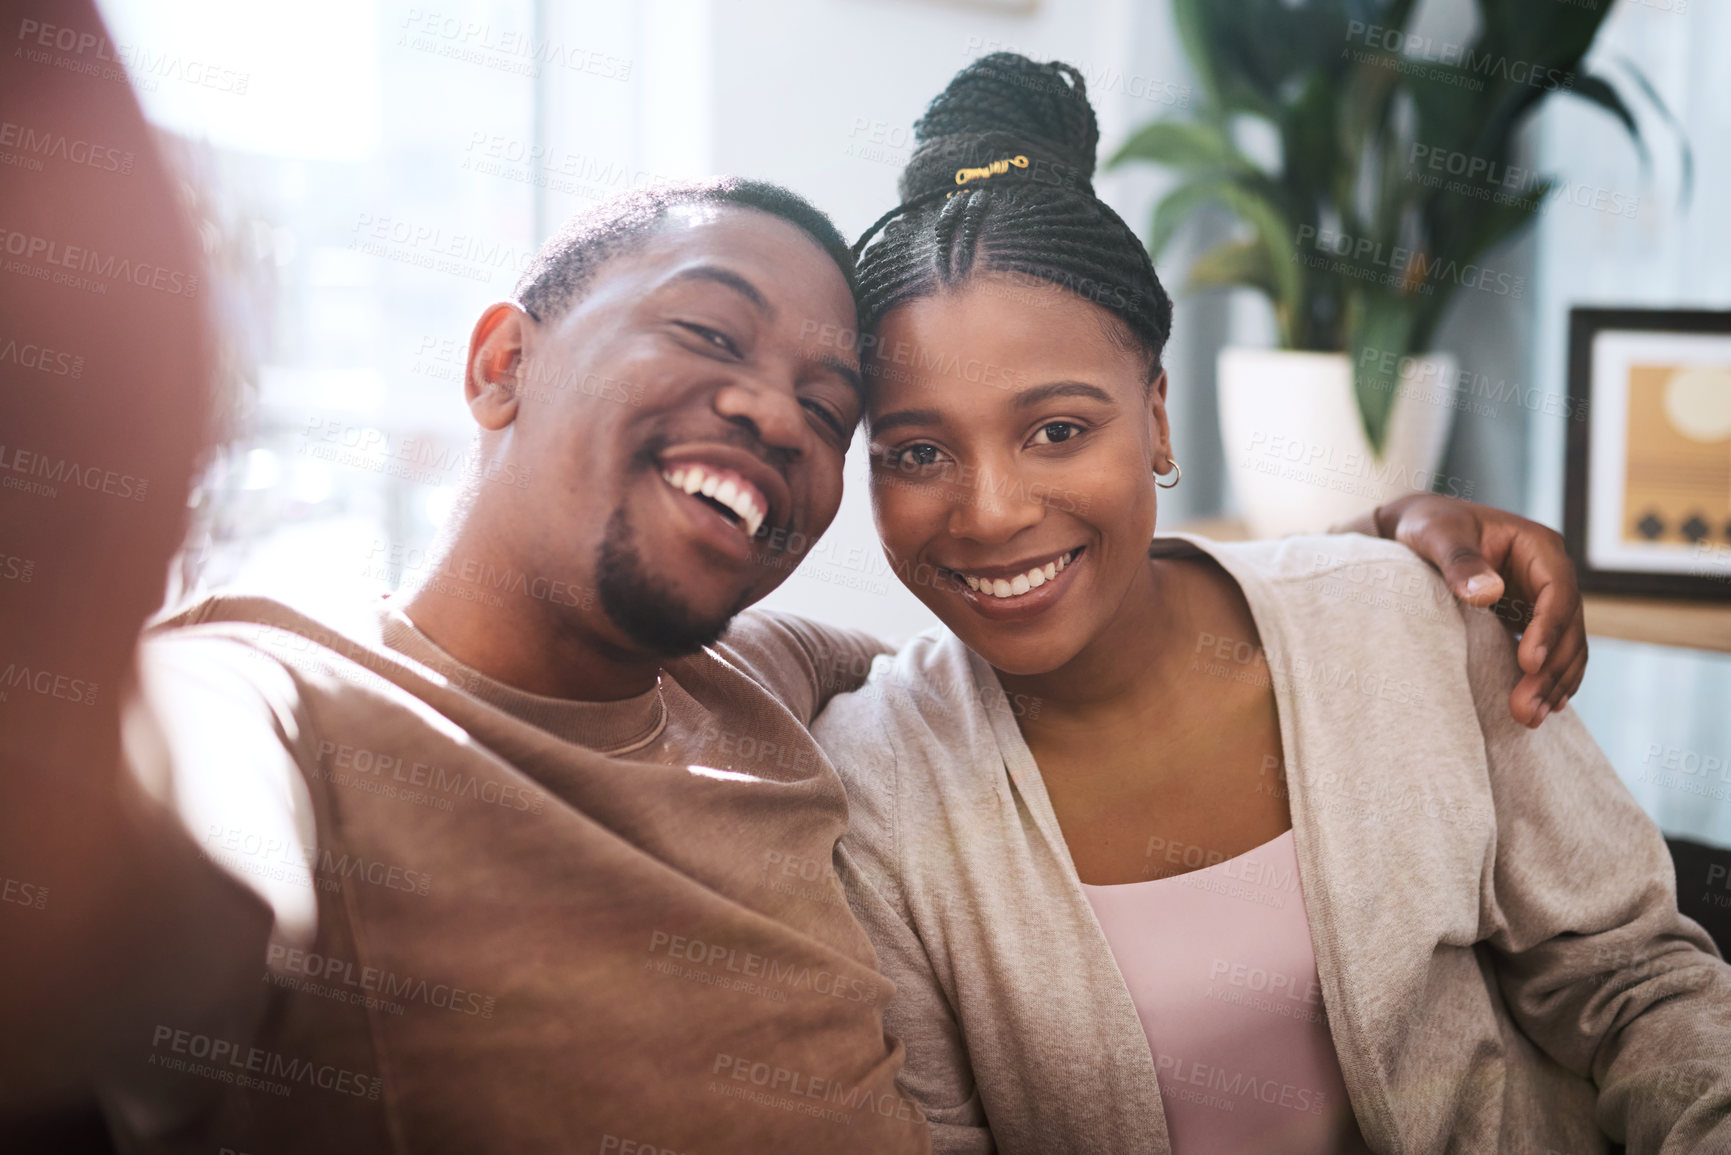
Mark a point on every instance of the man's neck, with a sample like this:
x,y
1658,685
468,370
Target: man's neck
x,y
528,643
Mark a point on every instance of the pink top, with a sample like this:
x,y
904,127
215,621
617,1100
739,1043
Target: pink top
x,y
1220,967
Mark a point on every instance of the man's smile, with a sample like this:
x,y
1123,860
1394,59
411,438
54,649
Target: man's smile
x,y
727,492
726,500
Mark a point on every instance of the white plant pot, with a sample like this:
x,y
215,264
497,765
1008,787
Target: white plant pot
x,y
1295,445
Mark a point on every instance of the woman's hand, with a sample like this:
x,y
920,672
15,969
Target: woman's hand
x,y
1491,557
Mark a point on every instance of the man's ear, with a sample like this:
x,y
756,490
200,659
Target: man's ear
x,y
495,365
1160,425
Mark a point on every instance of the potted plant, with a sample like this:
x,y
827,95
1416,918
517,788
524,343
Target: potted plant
x,y
1395,179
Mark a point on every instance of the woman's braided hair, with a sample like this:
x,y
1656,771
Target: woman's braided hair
x,y
1039,220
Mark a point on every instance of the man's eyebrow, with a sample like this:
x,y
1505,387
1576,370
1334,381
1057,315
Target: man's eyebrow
x,y
903,417
1029,398
845,371
728,279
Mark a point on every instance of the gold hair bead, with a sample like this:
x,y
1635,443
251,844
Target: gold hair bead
x,y
964,175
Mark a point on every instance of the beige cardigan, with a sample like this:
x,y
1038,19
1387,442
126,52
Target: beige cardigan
x,y
1494,918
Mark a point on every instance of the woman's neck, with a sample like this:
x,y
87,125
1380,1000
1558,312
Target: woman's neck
x,y
1145,735
1146,644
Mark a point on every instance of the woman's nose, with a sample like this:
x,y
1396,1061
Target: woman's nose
x,y
994,508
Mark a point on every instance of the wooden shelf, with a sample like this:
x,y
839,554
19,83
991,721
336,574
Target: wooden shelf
x,y
1660,621
1655,621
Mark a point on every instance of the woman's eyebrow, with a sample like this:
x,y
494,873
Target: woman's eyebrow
x,y
1028,398
903,417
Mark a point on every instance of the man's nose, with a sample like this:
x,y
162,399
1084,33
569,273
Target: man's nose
x,y
773,413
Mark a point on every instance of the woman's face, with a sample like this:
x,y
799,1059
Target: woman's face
x,y
1012,446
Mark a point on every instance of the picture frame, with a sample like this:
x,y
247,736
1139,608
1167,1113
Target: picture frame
x,y
1647,493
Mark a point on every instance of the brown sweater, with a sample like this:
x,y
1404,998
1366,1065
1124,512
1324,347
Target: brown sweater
x,y
505,922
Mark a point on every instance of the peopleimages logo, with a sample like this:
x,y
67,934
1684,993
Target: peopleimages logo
x,y
1426,380
1483,179
93,55
748,964
1352,471
795,1085
23,893
39,474
228,1061
232,846
38,146
55,362
46,684
1410,270
1425,55
111,267
478,42
291,965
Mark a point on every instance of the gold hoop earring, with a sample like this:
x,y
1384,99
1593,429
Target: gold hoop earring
x,y
1177,475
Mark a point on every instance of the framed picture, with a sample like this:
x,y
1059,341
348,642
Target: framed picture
x,y
1647,504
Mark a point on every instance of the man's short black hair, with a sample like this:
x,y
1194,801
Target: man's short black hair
x,y
564,266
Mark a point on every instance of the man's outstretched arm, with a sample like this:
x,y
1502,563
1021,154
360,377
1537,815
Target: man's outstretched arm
x,y
130,921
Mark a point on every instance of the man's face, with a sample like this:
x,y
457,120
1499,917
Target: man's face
x,y
684,426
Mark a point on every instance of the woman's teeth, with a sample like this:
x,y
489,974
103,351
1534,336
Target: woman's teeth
x,y
1023,582
737,495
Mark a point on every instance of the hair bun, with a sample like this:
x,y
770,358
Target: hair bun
x,y
1006,105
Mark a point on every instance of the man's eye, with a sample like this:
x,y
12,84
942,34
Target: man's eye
x,y
1053,432
828,417
715,337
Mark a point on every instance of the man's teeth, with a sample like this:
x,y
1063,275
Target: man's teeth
x,y
739,496
1020,584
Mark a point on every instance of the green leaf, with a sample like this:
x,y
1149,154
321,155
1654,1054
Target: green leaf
x,y
1670,118
1191,19
1183,143
1550,35
1348,118
1277,236
1232,265
1309,143
1231,79
1383,325
1596,90
1500,222
1176,207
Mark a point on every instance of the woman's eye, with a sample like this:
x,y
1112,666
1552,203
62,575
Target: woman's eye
x,y
915,455
715,337
1055,431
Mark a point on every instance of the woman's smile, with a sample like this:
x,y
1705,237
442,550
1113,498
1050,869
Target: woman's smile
x,y
1018,591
